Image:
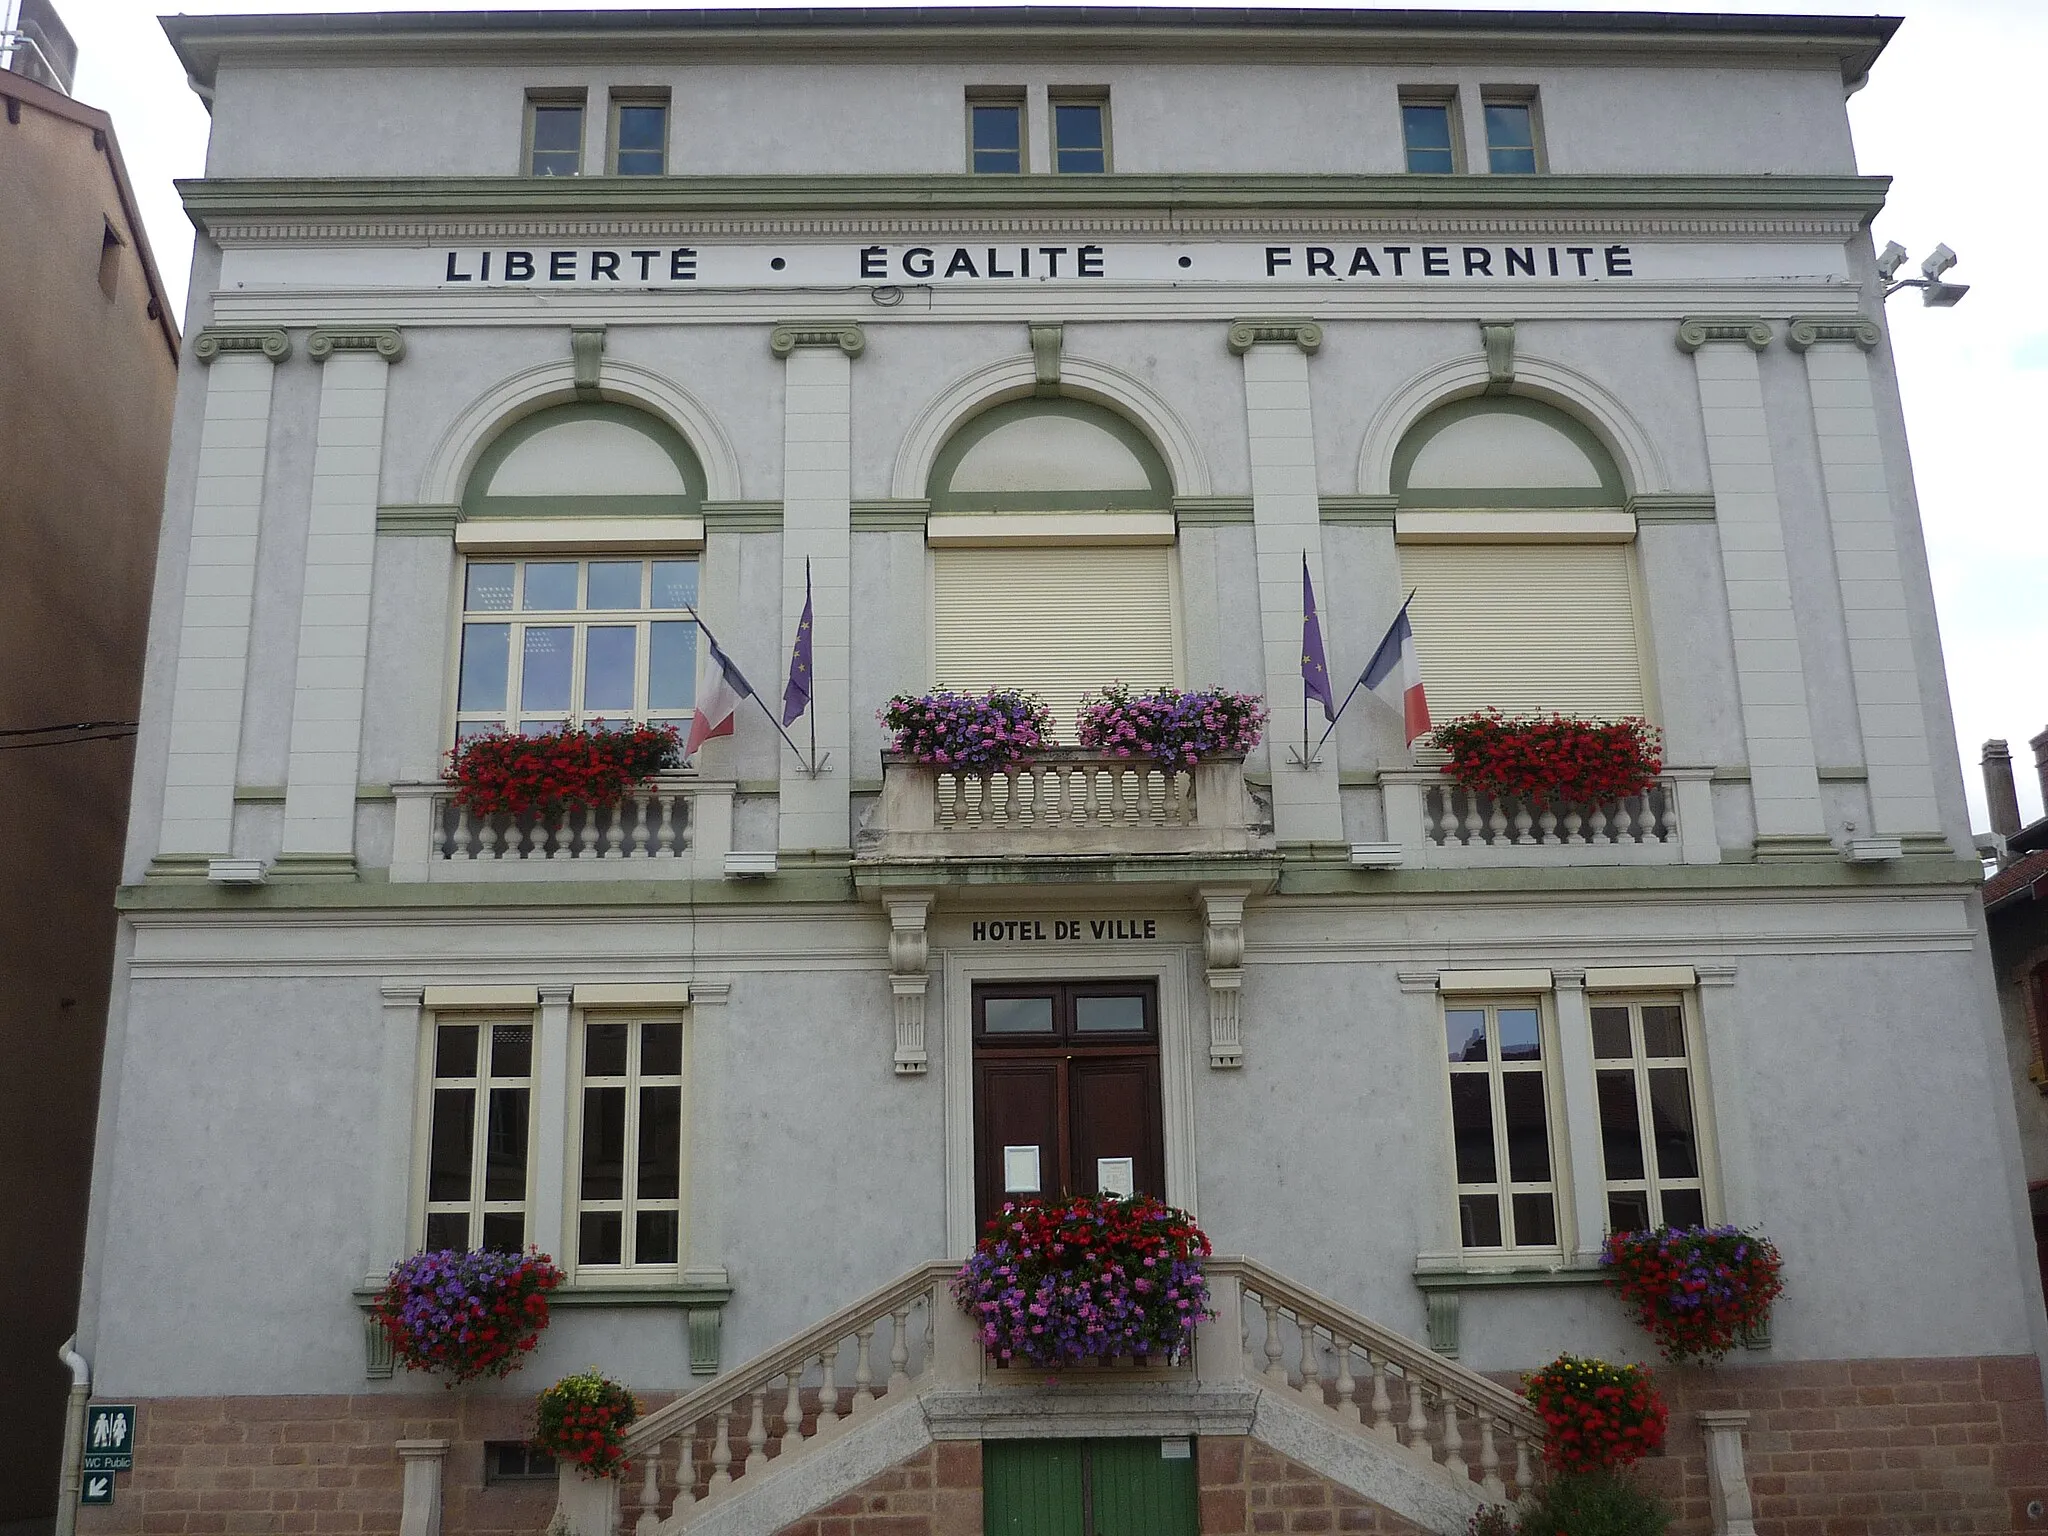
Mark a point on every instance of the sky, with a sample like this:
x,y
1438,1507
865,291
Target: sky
x,y
1951,113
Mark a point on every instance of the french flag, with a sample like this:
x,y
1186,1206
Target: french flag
x,y
720,687
1395,662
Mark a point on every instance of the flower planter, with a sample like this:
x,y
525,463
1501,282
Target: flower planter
x,y
1699,1291
540,779
1555,761
1169,726
471,1314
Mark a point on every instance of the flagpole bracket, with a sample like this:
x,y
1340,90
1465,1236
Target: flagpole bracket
x,y
816,769
1308,764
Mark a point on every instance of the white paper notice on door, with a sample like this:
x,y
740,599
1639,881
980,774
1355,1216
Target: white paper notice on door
x,y
1114,1176
1020,1171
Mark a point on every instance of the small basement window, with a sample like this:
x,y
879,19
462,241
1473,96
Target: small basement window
x,y
514,1461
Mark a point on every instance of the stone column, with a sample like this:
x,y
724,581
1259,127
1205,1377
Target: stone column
x,y
1286,529
1581,1085
220,584
1889,709
1728,1500
817,530
334,608
420,1513
1770,675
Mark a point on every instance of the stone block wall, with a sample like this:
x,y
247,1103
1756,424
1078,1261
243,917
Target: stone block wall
x,y
937,1492
1249,1487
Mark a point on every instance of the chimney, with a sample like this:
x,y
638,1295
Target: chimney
x,y
1998,787
2040,746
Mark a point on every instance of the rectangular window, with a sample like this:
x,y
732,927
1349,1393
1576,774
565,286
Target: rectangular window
x,y
995,133
1649,1127
554,135
639,133
1511,134
479,1118
629,1166
548,643
1500,1125
1080,133
1428,131
514,1461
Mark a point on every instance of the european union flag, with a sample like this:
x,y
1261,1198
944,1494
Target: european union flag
x,y
796,696
1315,668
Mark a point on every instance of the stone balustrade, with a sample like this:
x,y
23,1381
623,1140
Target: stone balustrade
x,y
676,828
1441,825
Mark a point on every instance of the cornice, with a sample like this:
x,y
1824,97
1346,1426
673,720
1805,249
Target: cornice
x,y
493,207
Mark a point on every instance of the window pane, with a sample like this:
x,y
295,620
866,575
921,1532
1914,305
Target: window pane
x,y
540,727
557,140
447,1229
608,651
1510,137
661,1050
448,1144
1671,1124
1426,129
1520,1039
1472,1126
455,1050
1535,1221
504,1231
1683,1208
643,139
1465,1032
486,660
1521,1095
654,1237
1479,1221
550,586
614,584
1017,1015
544,667
1621,1134
675,584
998,140
1628,1211
597,1237
488,589
672,665
469,730
1109,1015
659,1167
1663,1030
1077,135
512,1050
604,1144
1610,1034
505,1146
604,1050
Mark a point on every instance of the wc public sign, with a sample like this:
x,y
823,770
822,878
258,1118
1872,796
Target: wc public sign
x,y
109,1441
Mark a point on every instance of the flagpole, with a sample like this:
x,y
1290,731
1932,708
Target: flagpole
x,y
752,693
1356,684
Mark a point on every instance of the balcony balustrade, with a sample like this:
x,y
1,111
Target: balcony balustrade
x,y
676,828
1441,825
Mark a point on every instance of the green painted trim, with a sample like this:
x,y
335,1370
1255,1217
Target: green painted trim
x,y
174,867
511,509
742,517
476,504
817,886
1506,1279
313,866
1155,498
1673,507
273,794
1334,877
1851,197
1796,845
1211,511
425,521
1608,493
1357,511
1258,870
886,515
1357,778
1843,775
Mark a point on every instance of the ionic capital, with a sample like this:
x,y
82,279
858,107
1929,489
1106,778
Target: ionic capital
x,y
1695,331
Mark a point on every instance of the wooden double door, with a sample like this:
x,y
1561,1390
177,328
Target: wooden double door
x,y
1089,1488
1066,1091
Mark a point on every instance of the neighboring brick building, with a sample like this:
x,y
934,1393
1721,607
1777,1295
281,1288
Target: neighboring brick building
x,y
88,369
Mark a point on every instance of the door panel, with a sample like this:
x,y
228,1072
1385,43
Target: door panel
x,y
1137,1491
1115,1114
1088,1488
1032,1488
1017,1104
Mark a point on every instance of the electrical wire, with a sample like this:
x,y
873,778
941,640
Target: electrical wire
x,y
65,741
70,725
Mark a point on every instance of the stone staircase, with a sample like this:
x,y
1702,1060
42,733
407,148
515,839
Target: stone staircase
x,y
876,1382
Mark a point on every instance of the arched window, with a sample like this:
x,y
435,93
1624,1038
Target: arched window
x,y
1515,538
1052,555
579,536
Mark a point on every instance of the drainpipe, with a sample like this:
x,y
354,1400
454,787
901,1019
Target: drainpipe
x,y
74,1438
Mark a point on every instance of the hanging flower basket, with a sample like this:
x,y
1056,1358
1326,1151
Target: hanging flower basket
x,y
1169,726
1698,1290
976,731
1597,1416
581,1421
589,765
1089,1278
471,1314
1559,759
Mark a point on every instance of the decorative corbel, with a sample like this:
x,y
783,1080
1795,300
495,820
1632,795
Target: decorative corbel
x,y
1223,953
1045,357
1695,331
846,335
1246,334
910,959
1498,337
586,347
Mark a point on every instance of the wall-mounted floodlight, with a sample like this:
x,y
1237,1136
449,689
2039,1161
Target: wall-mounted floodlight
x,y
1934,293
1890,260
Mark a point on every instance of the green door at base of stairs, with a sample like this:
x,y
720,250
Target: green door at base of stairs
x,y
1089,1488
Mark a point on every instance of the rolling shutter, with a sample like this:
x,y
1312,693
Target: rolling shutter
x,y
1057,622
1529,628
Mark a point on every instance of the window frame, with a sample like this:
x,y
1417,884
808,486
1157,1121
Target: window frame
x,y
1703,1133
999,96
419,1204
1058,96
627,1204
1526,97
553,96
1551,1067
1444,97
637,96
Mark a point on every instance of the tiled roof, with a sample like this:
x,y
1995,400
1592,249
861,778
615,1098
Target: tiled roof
x,y
2029,874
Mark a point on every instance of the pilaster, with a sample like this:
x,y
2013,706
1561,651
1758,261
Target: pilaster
x,y
1864,525
1770,673
220,585
401,1053
553,1071
1581,1115
817,536
420,1512
1286,530
334,610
